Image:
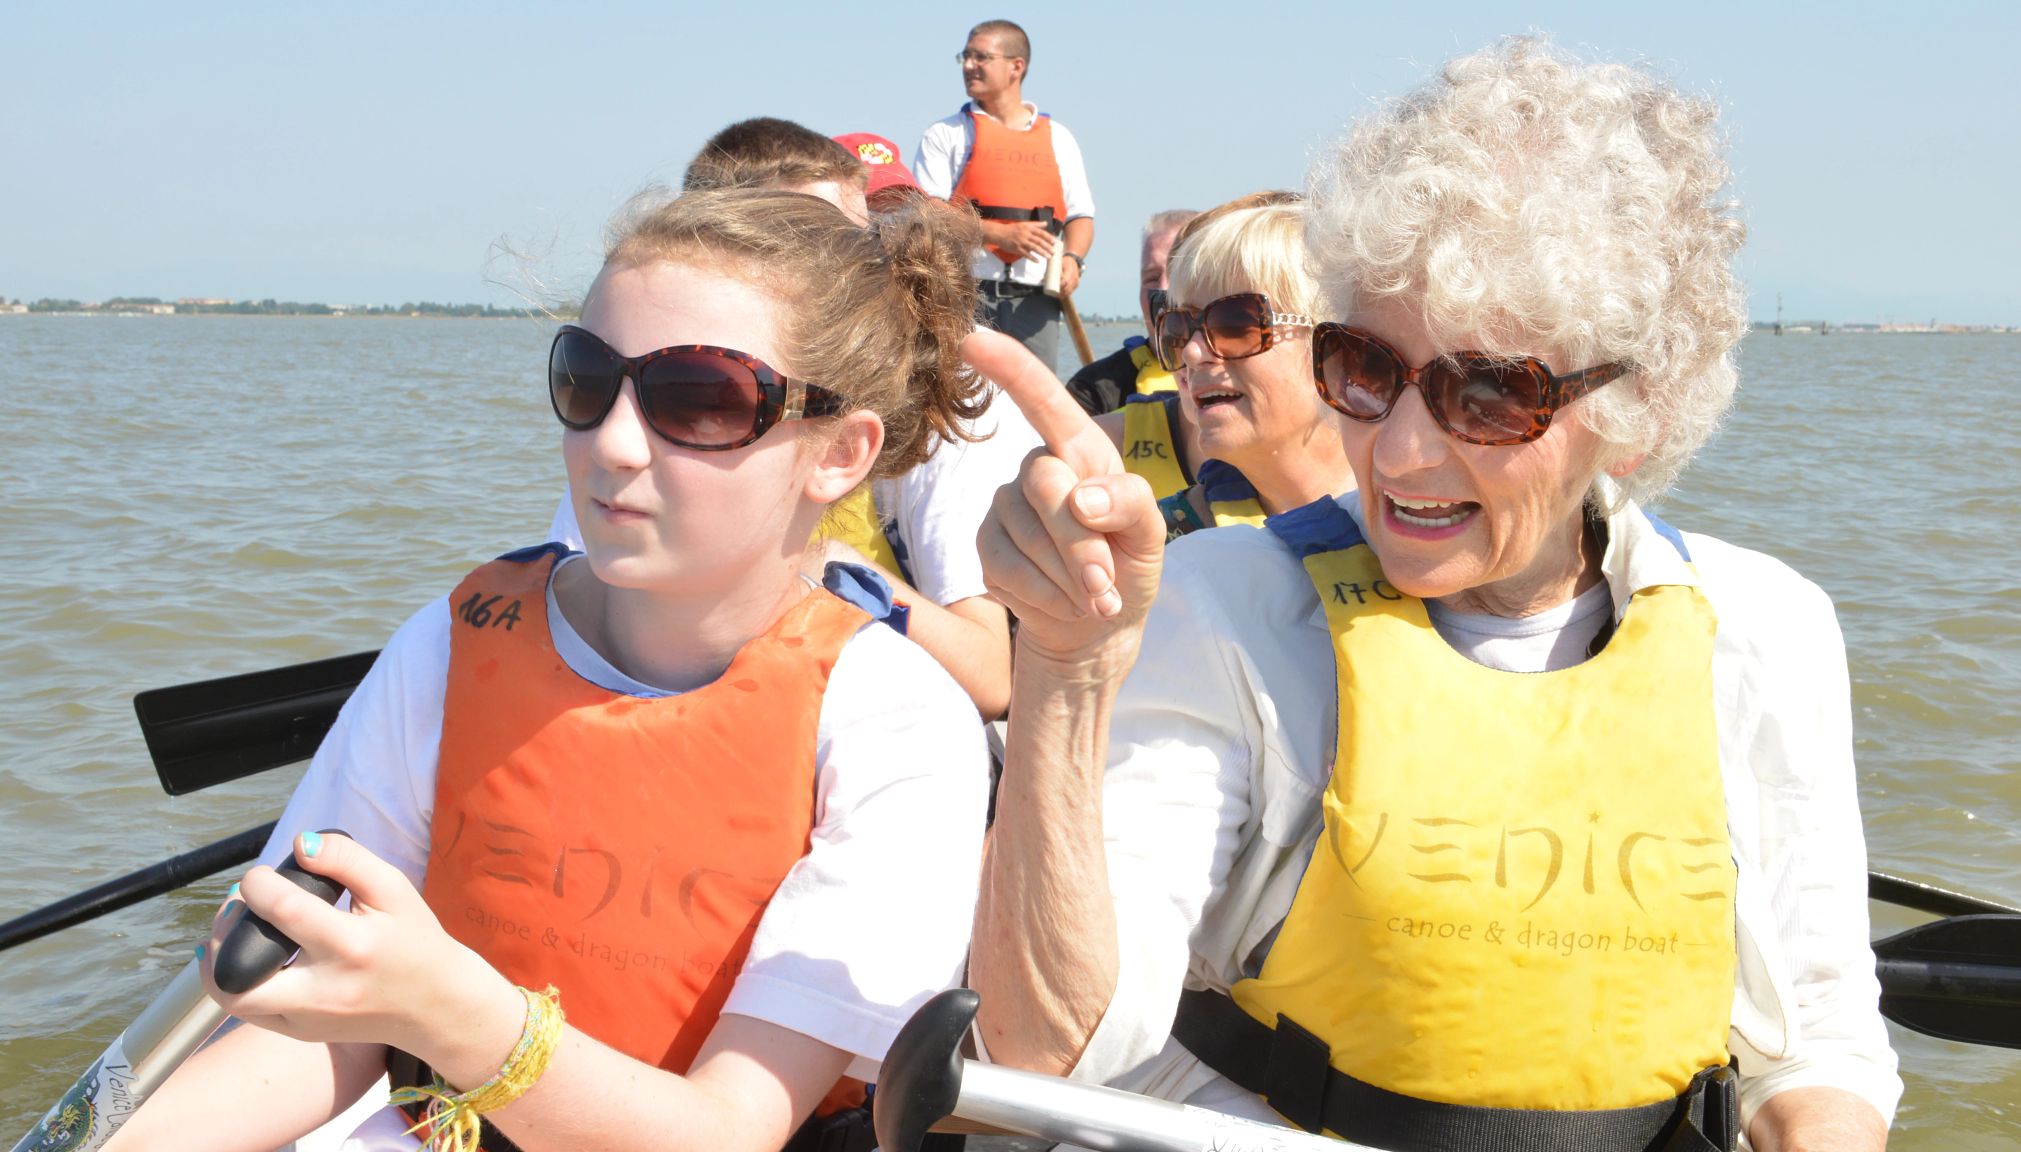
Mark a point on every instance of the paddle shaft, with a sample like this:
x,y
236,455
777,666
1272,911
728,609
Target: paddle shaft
x,y
1956,982
174,1025
1929,898
1075,329
1093,1116
134,887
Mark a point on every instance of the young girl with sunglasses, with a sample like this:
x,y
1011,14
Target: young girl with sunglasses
x,y
1234,330
634,835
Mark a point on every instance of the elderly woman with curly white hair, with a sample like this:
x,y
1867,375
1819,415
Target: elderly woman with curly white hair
x,y
1480,809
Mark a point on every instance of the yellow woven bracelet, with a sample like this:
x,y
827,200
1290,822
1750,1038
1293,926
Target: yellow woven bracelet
x,y
452,1119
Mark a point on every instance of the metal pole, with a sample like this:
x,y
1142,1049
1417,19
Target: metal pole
x,y
171,1027
1111,1120
174,1025
925,1081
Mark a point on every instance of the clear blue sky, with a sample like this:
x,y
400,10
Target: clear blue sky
x,y
373,152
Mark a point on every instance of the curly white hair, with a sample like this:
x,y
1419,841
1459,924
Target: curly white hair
x,y
1526,200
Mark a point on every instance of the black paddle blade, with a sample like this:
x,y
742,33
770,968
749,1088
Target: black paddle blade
x,y
921,1081
217,730
1956,979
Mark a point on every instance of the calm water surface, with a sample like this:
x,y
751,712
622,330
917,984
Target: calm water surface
x,y
191,497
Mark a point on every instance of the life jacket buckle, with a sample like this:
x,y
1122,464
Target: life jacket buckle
x,y
1295,1076
1722,1106
1708,1115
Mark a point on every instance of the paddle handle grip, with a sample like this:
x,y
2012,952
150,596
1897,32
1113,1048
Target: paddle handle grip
x,y
254,949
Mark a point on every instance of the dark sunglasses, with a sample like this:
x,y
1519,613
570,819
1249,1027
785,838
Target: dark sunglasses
x,y
695,395
1477,397
1234,327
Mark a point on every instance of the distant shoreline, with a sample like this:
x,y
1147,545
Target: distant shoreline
x,y
151,306
189,306
1818,328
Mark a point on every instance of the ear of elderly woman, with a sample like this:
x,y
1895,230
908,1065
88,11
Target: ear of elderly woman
x,y
1480,808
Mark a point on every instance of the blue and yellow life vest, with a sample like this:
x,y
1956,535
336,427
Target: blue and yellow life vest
x,y
1151,376
1522,896
1228,495
855,521
1151,446
1151,449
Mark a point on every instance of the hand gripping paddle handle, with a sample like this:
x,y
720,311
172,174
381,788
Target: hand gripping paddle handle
x,y
254,949
173,1025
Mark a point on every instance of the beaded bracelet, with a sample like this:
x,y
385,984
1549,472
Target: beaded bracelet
x,y
452,1118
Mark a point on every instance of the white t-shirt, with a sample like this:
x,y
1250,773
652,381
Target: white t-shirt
x,y
934,510
871,922
944,149
1222,742
1545,642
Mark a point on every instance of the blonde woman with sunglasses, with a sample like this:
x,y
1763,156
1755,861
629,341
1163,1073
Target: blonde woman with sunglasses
x,y
1482,809
633,832
1245,434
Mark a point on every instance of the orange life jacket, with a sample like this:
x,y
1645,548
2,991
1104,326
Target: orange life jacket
x,y
622,849
1012,175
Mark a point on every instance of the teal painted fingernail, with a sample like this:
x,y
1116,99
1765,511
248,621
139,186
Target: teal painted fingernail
x,y
312,843
232,892
199,952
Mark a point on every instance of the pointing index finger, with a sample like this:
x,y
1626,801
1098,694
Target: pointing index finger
x,y
1067,430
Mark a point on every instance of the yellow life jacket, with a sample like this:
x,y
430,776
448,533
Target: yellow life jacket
x,y
1151,442
1522,893
1151,376
854,520
1227,494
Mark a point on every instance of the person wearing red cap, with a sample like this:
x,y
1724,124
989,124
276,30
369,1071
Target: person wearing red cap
x,y
885,171
930,515
1023,172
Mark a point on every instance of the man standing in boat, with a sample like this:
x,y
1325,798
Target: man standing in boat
x,y
1022,171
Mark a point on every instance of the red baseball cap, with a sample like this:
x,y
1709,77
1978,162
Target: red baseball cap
x,y
880,156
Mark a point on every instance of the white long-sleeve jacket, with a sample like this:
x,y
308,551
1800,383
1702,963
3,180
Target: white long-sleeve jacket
x,y
1223,739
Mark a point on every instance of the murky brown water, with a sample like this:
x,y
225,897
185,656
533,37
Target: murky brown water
x,y
192,497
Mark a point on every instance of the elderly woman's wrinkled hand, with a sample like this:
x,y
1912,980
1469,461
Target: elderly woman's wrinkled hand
x,y
1073,548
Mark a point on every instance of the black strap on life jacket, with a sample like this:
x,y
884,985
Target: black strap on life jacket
x,y
1043,215
845,1131
1291,1069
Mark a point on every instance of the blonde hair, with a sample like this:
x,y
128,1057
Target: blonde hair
x,y
875,315
1253,244
1526,199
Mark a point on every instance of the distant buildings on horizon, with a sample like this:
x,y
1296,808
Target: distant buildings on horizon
x,y
218,305
1828,328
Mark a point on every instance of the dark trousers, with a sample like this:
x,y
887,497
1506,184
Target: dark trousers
x,y
1023,313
